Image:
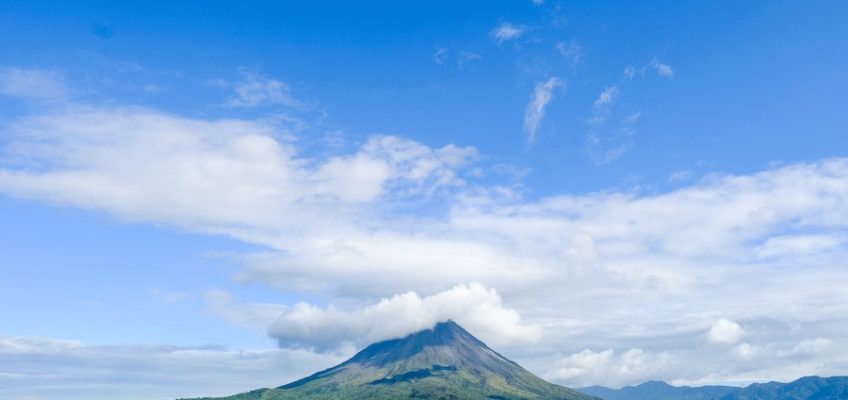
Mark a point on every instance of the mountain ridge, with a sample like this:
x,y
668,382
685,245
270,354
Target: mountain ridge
x,y
805,388
443,362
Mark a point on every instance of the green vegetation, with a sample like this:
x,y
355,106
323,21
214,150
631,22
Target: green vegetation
x,y
807,388
445,362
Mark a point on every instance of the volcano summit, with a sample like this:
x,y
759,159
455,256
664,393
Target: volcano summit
x,y
445,362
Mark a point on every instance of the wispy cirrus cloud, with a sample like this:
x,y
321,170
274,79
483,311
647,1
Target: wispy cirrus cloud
x,y
463,57
606,99
610,133
507,31
33,84
543,93
612,128
661,69
466,57
571,51
440,55
254,89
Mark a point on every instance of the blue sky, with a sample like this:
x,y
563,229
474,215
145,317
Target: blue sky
x,y
593,187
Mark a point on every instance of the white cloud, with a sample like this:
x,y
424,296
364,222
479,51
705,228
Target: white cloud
x,y
391,164
725,331
23,344
142,164
616,269
634,365
607,97
440,55
571,51
463,57
800,245
506,31
663,70
581,363
252,316
473,306
37,84
680,176
611,129
535,111
466,57
747,351
607,141
812,346
50,369
254,89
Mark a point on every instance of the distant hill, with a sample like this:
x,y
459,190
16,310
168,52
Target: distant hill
x,y
655,390
807,388
445,362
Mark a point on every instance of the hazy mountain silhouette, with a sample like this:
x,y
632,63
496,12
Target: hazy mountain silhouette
x,y
807,388
655,390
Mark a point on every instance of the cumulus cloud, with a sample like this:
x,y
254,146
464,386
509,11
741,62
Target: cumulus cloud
x,y
473,306
254,89
35,84
725,331
535,111
506,31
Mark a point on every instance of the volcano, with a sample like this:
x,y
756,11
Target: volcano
x,y
445,362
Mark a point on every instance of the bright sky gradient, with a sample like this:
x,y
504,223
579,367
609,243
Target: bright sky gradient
x,y
206,198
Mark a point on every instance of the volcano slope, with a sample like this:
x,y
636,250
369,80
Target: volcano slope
x,y
445,362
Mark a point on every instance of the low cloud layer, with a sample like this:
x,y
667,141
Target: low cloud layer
x,y
41,368
633,365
